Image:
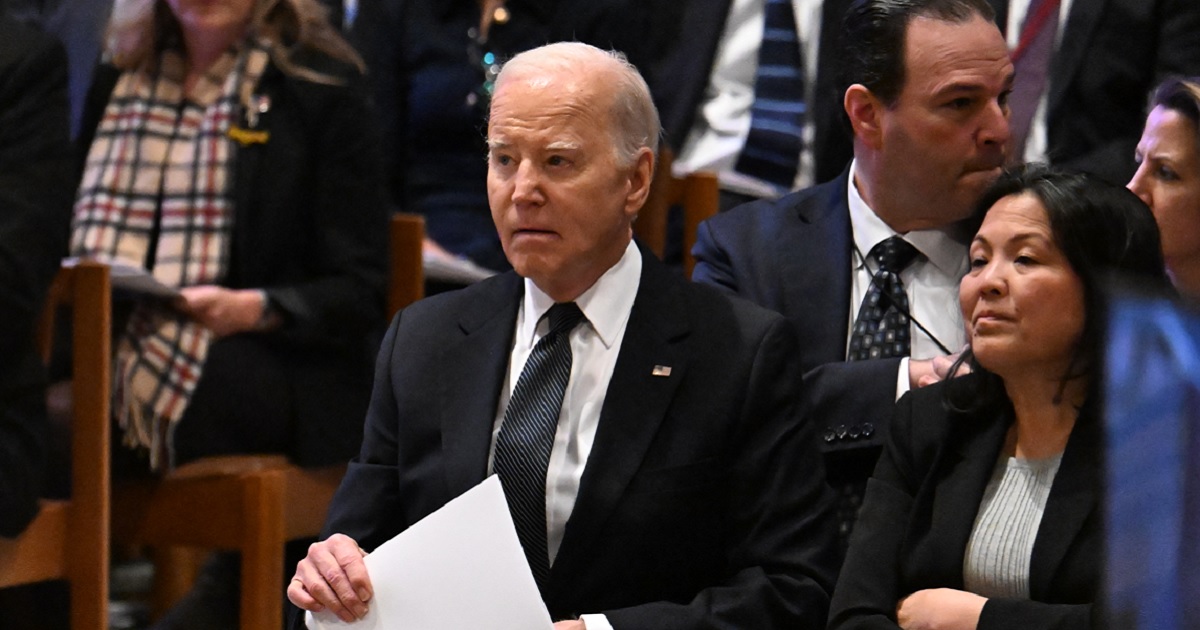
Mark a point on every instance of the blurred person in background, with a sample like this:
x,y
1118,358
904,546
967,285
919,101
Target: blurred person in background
x,y
232,157
1168,177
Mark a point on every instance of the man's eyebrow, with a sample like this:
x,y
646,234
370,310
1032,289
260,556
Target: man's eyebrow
x,y
563,145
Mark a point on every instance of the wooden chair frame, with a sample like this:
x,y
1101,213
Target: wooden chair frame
x,y
698,194
69,539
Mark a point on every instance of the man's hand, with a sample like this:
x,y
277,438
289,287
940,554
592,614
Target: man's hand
x,y
940,609
570,624
332,576
223,311
930,371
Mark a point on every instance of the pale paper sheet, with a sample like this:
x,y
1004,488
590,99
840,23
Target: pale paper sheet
x,y
460,567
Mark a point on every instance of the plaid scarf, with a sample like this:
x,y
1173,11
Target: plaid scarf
x,y
157,192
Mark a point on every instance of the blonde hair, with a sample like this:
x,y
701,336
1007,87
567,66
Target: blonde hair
x,y
141,29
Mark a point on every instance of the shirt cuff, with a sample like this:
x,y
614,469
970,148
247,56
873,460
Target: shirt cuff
x,y
595,622
902,380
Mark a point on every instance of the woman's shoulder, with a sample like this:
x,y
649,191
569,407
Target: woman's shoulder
x,y
931,417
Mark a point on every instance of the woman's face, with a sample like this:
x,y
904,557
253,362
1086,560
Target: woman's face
x,y
227,18
1168,180
1022,302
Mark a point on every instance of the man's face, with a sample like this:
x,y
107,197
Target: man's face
x,y
562,203
942,142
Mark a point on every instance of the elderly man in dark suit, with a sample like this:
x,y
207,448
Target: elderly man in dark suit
x,y
35,203
867,266
673,483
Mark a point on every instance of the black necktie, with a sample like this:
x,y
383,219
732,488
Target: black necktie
x,y
881,329
527,435
772,151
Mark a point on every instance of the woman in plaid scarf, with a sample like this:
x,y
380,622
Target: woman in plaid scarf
x,y
233,157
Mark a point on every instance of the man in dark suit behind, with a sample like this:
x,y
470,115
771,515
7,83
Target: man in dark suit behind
x,y
683,488
930,129
35,208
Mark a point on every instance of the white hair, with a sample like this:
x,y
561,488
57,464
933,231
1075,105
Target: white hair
x,y
634,117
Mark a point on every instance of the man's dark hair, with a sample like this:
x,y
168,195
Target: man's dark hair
x,y
1100,228
873,36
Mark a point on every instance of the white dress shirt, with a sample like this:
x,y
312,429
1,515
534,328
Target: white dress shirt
x,y
723,120
1038,142
594,348
931,281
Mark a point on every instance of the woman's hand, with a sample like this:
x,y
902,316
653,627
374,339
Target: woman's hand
x,y
223,311
940,609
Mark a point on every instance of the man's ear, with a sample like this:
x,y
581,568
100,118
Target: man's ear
x,y
865,111
640,175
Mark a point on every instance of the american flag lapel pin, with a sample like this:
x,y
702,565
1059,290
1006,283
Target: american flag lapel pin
x,y
661,370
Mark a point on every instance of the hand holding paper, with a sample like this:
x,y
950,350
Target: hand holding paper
x,y
332,576
460,567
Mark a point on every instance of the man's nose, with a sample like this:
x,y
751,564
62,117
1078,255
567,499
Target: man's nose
x,y
527,184
994,128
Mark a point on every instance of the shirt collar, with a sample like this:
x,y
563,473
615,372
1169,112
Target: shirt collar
x,y
606,304
943,247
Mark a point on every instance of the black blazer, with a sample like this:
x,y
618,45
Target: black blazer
x,y
920,509
791,256
702,503
35,210
311,229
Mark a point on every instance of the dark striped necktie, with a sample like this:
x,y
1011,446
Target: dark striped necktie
x,y
527,435
881,330
772,150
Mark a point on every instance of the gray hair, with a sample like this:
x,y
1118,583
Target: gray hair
x,y
634,118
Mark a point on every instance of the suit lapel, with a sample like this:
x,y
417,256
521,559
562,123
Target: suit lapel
x,y
634,406
963,486
814,249
470,387
1082,19
1073,498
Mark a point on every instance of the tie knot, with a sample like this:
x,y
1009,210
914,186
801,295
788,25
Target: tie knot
x,y
893,254
564,316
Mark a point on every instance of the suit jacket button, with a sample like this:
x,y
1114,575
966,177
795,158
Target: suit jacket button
x,y
855,431
867,429
841,431
829,434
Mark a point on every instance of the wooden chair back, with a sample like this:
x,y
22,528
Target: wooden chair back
x,y
699,196
406,282
69,539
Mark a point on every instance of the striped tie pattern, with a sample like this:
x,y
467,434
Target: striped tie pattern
x,y
527,435
772,151
881,330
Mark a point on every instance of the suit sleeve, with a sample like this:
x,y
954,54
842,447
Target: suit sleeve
x,y
869,585
365,505
713,265
779,551
852,401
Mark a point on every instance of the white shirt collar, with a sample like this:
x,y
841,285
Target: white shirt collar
x,y
606,304
943,247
